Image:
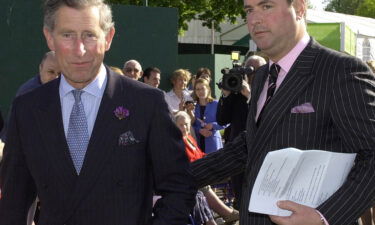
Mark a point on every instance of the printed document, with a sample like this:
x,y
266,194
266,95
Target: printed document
x,y
307,177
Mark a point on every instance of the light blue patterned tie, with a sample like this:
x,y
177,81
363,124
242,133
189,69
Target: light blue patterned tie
x,y
78,135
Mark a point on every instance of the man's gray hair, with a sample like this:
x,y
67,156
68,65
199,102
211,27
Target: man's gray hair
x,y
255,61
133,61
51,7
181,114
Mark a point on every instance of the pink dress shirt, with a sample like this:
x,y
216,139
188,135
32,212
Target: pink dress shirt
x,y
285,63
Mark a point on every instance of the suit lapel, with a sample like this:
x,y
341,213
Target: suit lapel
x,y
103,138
49,117
256,90
296,81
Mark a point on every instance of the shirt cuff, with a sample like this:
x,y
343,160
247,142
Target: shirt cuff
x,y
322,218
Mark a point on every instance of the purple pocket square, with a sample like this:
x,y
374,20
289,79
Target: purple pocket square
x,y
304,108
127,138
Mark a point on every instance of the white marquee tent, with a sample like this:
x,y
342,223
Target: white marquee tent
x,y
362,27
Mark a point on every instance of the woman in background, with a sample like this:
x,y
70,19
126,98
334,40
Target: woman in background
x,y
202,210
205,124
178,96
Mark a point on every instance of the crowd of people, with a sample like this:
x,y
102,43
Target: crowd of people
x,y
87,143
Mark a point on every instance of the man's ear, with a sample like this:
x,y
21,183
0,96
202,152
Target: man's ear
x,y
48,35
300,8
109,38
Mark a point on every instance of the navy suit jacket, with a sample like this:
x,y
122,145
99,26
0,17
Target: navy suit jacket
x,y
116,182
341,90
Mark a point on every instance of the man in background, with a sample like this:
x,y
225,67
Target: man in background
x,y
151,76
48,70
233,109
132,69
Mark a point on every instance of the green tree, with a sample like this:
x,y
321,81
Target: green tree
x,y
343,6
367,8
209,11
352,7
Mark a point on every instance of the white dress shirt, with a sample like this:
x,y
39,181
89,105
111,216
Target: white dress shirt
x,y
174,101
91,98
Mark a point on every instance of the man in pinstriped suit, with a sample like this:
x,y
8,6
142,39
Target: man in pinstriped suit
x,y
323,100
126,147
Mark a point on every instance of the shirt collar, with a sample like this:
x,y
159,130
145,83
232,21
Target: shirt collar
x,y
95,87
184,92
287,61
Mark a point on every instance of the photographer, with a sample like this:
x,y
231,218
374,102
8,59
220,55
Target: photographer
x,y
232,109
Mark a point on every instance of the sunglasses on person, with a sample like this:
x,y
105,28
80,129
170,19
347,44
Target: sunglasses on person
x,y
129,70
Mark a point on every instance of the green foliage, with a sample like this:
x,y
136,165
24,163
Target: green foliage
x,y
352,7
343,6
367,9
208,11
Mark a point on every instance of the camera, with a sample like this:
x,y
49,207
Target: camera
x,y
232,78
188,102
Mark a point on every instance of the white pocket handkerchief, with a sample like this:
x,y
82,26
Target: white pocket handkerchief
x,y
304,108
127,138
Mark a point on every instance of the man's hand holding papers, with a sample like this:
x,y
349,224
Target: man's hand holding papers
x,y
305,179
301,214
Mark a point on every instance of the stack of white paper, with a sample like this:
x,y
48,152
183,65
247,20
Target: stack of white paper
x,y
306,177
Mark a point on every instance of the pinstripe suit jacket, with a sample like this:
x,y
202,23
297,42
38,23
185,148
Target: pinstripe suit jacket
x,y
116,183
342,91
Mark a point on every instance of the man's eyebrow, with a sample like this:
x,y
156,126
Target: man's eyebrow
x,y
259,3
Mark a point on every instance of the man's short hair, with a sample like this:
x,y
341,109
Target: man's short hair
x,y
51,7
134,62
255,58
50,53
149,70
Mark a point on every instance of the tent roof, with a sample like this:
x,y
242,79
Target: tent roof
x,y
358,24
231,33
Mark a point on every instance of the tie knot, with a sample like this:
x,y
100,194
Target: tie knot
x,y
77,94
274,71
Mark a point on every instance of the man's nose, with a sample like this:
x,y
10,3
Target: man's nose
x,y
254,18
79,47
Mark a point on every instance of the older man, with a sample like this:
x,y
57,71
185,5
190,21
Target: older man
x,y
132,69
84,144
334,94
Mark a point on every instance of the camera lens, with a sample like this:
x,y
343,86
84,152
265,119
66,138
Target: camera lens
x,y
233,82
